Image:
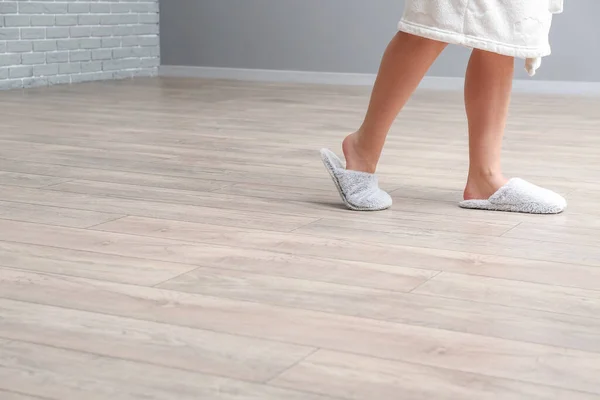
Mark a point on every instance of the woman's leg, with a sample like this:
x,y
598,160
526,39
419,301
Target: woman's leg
x,y
488,87
404,64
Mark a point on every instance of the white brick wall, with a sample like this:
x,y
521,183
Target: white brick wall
x,y
46,42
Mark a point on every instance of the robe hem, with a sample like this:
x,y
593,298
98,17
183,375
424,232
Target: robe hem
x,y
471,41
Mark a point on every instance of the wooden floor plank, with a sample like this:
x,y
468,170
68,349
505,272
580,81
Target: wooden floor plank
x,y
28,180
6,395
559,234
90,264
376,223
387,254
68,155
295,194
438,312
104,262
199,182
529,362
357,378
59,174
51,215
60,374
151,342
120,151
110,243
350,273
421,224
530,248
585,303
264,220
415,173
191,228
282,200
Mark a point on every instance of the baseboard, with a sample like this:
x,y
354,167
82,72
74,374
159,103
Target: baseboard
x,y
332,78
265,75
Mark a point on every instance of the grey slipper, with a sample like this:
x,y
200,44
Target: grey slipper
x,y
520,196
359,190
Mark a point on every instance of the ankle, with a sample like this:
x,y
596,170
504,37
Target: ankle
x,y
481,184
357,157
486,173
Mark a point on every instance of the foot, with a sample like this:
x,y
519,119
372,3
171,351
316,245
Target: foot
x,y
356,160
482,187
522,197
359,190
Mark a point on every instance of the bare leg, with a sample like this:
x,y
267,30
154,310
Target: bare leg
x,y
488,87
404,64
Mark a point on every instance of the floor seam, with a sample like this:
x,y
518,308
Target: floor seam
x,y
510,229
413,290
91,227
302,359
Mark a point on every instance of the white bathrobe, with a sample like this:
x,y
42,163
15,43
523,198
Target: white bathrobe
x,y
517,28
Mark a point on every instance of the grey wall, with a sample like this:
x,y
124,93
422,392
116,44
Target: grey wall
x,y
341,36
46,42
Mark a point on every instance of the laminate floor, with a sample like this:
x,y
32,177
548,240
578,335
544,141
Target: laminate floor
x,y
179,239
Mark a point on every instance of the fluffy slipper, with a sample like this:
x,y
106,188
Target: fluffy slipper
x,y
359,190
520,196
